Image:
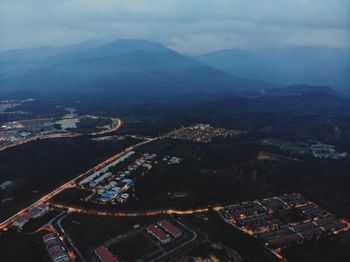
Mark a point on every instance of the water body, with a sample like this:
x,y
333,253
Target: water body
x,y
68,123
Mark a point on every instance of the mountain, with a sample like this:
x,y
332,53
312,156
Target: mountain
x,y
119,68
345,91
315,66
19,61
298,90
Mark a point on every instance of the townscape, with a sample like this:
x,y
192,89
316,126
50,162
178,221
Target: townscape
x,y
260,219
318,150
201,133
174,131
276,222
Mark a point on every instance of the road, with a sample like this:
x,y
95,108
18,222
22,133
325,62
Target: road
x,y
179,247
67,239
117,123
8,222
89,210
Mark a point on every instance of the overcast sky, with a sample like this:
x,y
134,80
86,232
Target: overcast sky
x,y
195,26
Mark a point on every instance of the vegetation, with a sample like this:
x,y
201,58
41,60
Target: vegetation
x,y
321,250
18,247
123,249
40,166
89,231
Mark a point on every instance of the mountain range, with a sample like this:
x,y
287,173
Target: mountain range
x,y
122,67
138,68
287,66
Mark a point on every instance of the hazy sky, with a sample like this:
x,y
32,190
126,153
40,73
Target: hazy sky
x,y
185,25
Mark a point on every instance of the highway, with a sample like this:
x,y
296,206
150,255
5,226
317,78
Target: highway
x,y
8,222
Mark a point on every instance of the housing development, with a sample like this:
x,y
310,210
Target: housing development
x,y
114,189
201,133
262,219
111,185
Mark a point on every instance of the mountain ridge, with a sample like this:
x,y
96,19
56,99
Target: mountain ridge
x,y
126,66
288,66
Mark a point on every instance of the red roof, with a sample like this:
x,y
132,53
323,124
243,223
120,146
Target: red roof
x,y
167,226
105,255
158,232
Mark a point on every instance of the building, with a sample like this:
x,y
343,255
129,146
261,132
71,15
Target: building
x,y
158,234
105,255
20,221
55,248
170,228
49,237
32,213
58,254
96,177
39,211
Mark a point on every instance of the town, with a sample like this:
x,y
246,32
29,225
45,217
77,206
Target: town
x,y
201,133
104,191
303,221
315,149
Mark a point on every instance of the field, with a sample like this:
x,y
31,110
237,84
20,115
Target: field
x,y
217,231
321,250
88,231
123,250
35,223
18,247
228,171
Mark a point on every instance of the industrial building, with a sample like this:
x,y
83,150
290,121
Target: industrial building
x,y
158,234
91,180
170,228
105,255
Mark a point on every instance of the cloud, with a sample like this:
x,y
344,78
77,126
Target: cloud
x,y
185,25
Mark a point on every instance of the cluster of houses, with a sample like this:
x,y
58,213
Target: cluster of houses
x,y
112,187
260,219
102,174
171,160
115,188
55,248
203,133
